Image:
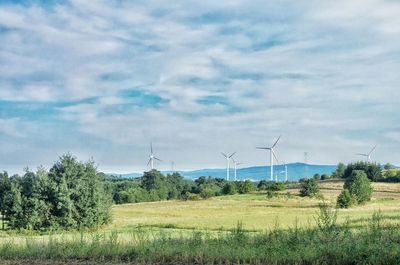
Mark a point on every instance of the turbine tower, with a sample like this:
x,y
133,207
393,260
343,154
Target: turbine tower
x,y
152,157
285,172
271,156
228,160
368,156
236,163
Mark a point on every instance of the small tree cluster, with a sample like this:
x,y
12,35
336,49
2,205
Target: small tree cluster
x,y
71,195
357,190
309,188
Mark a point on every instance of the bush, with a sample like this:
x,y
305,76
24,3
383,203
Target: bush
x,y
271,186
317,176
372,170
309,188
359,186
325,177
345,199
246,187
229,189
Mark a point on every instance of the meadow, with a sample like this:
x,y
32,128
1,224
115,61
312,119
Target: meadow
x,y
236,229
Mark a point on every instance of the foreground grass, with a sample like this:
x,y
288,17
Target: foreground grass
x,y
377,243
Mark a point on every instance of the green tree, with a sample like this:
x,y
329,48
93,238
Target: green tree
x,y
317,176
339,172
309,188
5,189
372,170
345,199
359,186
229,189
246,187
388,166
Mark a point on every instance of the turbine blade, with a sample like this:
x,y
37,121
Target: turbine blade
x,y
276,141
224,155
264,148
373,149
232,154
275,155
362,154
148,163
157,159
151,148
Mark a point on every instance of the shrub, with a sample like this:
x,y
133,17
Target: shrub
x,y
309,188
229,189
345,199
271,186
246,187
317,176
372,170
325,177
359,186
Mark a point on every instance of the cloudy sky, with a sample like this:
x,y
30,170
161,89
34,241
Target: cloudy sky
x,y
103,79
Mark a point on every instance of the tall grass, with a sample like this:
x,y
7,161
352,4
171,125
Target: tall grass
x,y
328,243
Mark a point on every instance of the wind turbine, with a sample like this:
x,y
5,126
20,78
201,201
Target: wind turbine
x,y
285,172
271,156
236,163
152,157
368,156
228,160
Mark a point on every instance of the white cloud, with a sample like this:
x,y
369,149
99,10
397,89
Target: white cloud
x,y
325,74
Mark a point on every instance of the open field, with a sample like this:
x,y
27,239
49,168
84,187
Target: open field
x,y
255,211
207,232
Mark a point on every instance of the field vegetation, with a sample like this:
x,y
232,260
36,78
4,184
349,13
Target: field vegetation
x,y
161,219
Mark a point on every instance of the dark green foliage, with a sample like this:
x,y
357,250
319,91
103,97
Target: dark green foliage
x,y
70,196
309,188
325,177
317,176
229,189
271,185
345,199
372,170
5,189
246,186
339,172
388,166
359,186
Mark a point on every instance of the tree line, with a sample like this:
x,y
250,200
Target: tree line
x,y
71,195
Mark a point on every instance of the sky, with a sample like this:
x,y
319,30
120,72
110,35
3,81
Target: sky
x,y
104,79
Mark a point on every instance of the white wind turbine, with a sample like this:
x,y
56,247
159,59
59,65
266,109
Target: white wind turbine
x,y
152,157
285,172
368,156
236,163
271,156
228,160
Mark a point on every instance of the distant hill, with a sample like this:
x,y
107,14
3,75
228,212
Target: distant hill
x,y
296,171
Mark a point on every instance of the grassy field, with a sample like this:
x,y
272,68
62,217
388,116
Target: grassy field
x,y
255,211
282,231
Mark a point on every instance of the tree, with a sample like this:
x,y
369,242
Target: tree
x,y
5,189
229,189
325,177
317,176
309,188
345,199
388,166
372,170
339,172
359,186
246,187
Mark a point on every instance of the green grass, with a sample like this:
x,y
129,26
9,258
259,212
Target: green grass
x,y
281,230
255,211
